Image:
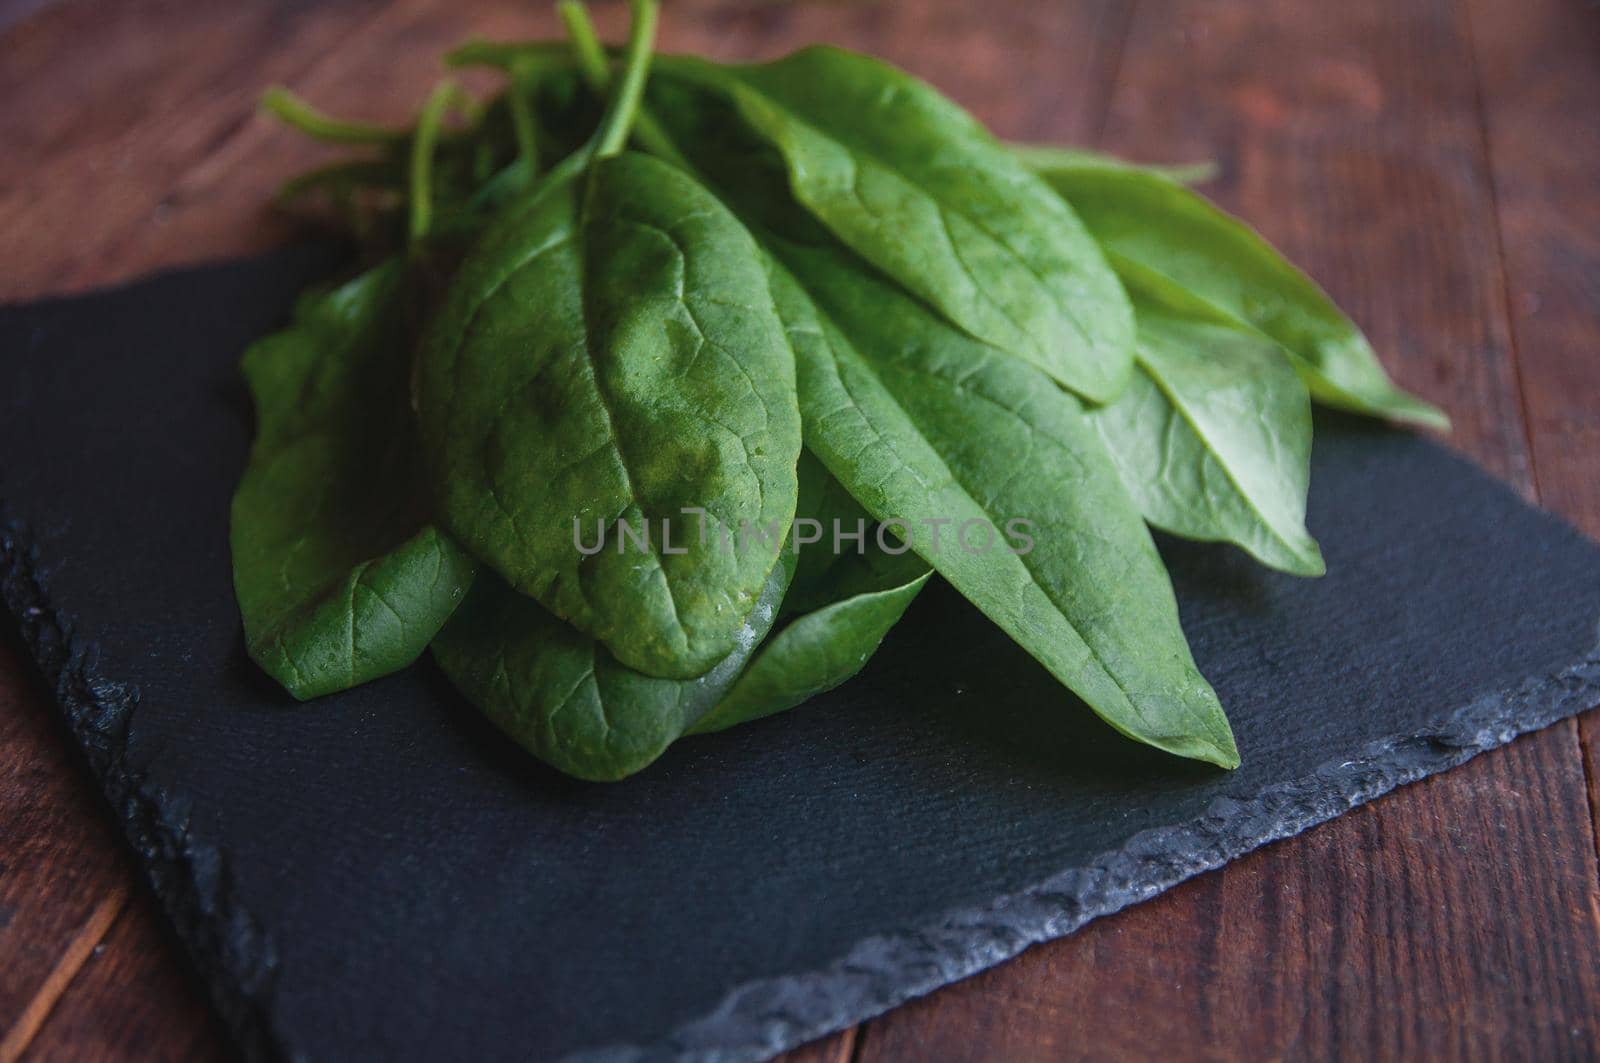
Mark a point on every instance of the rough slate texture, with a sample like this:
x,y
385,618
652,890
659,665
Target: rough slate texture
x,y
381,874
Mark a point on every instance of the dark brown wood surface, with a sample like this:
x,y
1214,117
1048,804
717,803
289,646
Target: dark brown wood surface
x,y
1435,163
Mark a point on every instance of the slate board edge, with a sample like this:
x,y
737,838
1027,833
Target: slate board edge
x,y
189,876
238,961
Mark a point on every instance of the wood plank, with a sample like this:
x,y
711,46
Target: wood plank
x,y
19,1038
107,106
58,856
133,999
1371,937
1539,62
839,1048
1454,918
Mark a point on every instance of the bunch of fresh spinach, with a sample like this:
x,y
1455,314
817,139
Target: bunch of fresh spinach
x,y
678,299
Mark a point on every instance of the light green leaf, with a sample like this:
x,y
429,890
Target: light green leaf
x,y
914,185
339,575
560,695
1213,438
925,424
1166,239
1042,158
609,355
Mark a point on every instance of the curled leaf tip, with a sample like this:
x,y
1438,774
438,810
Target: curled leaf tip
x,y
1311,563
1227,758
1211,747
1426,415
1194,173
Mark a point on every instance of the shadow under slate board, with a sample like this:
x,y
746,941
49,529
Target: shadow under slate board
x,y
381,875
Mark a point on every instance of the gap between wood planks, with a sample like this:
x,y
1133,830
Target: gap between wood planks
x,y
76,954
1587,752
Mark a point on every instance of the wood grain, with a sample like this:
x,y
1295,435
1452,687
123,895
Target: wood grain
x,y
1367,938
1539,65
108,106
1436,173
58,857
133,999
20,1037
1350,135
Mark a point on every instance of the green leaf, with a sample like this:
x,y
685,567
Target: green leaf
x,y
841,604
925,424
1168,240
561,696
1042,158
914,185
340,577
609,354
1213,438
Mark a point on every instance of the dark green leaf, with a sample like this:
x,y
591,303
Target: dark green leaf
x,y
1213,438
561,696
845,597
924,424
1168,240
610,354
339,575
914,185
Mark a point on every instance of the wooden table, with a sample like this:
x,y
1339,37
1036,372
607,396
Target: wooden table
x,y
1435,163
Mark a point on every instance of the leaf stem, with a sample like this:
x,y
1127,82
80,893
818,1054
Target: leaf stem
x,y
585,42
296,113
522,123
623,107
429,123
597,73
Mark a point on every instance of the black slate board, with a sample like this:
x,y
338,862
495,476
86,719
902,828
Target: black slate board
x,y
380,875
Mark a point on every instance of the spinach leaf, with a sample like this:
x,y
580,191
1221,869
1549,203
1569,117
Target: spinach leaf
x,y
561,696
839,607
963,443
1165,238
1042,158
609,363
339,574
1015,356
1213,438
914,185
610,355
926,425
